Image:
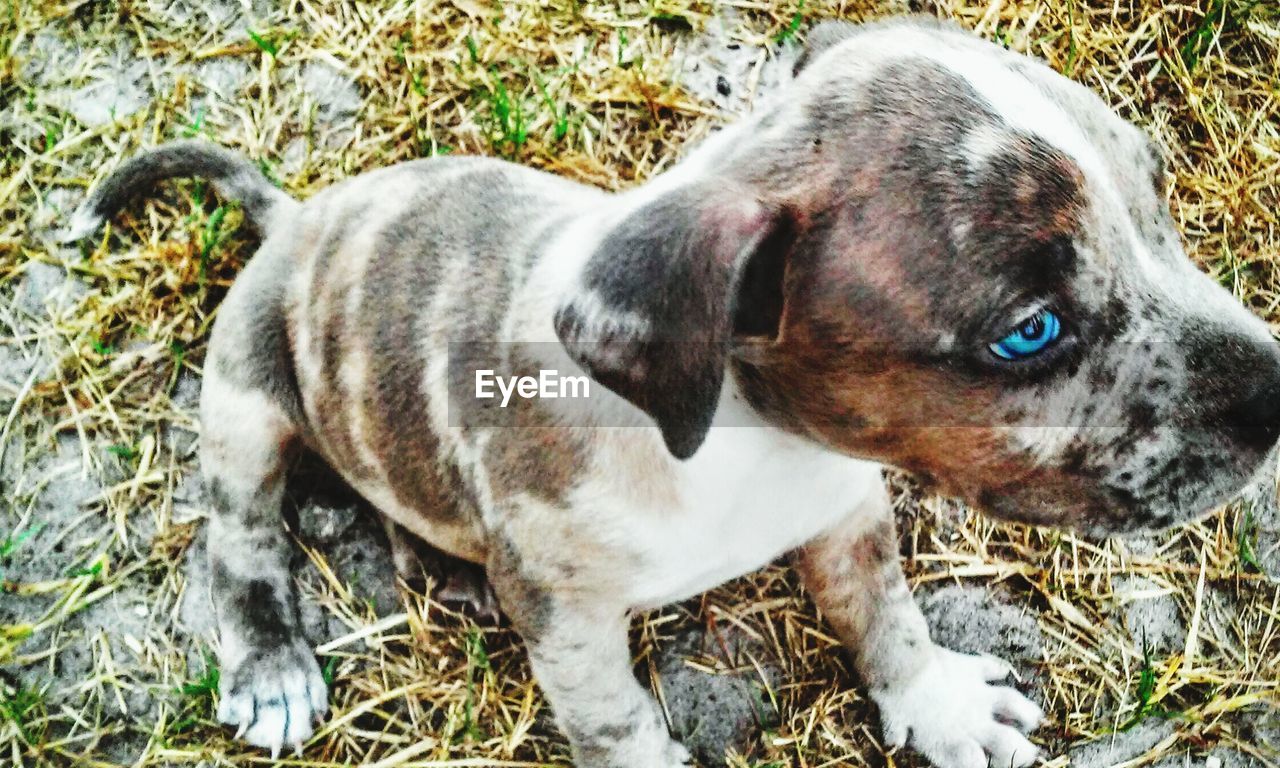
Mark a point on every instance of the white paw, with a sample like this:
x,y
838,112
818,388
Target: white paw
x,y
678,754
671,754
642,743
273,697
952,714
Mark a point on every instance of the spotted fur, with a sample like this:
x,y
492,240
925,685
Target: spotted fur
x,y
806,298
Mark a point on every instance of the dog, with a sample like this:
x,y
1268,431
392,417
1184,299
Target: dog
x,y
929,253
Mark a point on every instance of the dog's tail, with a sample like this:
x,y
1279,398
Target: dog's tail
x,y
234,177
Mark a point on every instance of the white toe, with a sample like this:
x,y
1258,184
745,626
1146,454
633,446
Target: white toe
x,y
992,669
298,711
965,754
317,695
1017,709
269,728
1009,749
275,698
895,730
952,713
235,710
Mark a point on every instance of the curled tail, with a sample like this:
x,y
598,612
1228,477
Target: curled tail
x,y
234,176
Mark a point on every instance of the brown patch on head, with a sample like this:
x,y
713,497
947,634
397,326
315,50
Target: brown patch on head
x,y
929,228
888,198
1024,194
1048,188
897,281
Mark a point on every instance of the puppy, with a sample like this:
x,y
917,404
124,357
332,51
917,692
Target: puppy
x,y
931,254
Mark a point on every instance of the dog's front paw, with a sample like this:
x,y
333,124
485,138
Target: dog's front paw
x,y
273,696
641,743
952,714
678,755
667,753
653,750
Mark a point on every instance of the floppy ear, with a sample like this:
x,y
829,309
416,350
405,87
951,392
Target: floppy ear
x,y
822,36
654,313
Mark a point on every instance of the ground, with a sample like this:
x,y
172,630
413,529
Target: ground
x,y
1163,651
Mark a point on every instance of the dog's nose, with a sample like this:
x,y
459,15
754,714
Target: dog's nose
x,y
1254,418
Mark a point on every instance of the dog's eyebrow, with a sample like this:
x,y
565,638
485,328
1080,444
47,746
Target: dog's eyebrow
x,y
1027,199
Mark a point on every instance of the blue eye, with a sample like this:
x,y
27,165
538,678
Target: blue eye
x,y
1032,336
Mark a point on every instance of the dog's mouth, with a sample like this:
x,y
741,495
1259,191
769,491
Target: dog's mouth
x,y
1108,510
1136,516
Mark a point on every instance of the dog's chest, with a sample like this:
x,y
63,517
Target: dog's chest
x,y
747,497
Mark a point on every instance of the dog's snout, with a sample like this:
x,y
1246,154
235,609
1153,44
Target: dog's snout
x,y
1234,384
1254,416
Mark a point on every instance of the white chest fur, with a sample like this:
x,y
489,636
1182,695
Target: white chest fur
x,y
749,495
674,529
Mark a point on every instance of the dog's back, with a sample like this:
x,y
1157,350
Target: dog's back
x,y
388,277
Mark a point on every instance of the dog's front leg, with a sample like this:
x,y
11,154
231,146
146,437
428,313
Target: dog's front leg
x,y
578,648
941,702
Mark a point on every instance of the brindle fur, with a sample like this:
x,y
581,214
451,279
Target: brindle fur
x,y
807,297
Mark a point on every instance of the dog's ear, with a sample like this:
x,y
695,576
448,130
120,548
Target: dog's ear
x,y
821,37
658,301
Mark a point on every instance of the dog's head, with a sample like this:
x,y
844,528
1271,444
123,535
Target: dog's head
x,y
946,257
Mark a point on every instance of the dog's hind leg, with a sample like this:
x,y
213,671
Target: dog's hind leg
x,y
271,687
408,565
464,586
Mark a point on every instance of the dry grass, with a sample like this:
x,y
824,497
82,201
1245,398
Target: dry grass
x,y
95,389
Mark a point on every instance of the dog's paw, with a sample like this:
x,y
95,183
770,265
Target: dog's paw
x,y
677,755
274,697
469,589
661,753
642,743
952,714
